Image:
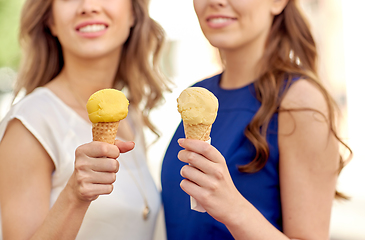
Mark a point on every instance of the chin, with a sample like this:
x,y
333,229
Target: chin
x,y
96,56
95,52
223,40
224,43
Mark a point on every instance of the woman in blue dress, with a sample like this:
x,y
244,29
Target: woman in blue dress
x,y
272,166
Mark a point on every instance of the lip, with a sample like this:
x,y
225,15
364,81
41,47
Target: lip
x,y
91,34
216,25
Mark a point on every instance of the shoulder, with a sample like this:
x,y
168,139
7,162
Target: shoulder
x,y
37,111
37,101
304,94
30,106
304,112
304,115
39,116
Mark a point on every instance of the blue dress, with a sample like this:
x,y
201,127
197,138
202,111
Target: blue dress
x,y
236,109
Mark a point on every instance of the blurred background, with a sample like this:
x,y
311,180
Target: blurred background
x,y
338,27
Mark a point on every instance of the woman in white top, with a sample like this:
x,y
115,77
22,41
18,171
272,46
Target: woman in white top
x,y
55,183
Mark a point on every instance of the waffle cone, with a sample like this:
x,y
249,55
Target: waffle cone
x,y
199,131
105,131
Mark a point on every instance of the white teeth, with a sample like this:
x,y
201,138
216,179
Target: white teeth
x,y
219,20
92,28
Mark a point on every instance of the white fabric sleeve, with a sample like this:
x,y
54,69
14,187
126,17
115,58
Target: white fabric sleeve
x,y
38,120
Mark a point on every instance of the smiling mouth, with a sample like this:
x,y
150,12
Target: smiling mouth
x,y
220,20
92,28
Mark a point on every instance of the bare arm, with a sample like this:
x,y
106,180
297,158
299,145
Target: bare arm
x,y
309,161
308,167
25,182
25,185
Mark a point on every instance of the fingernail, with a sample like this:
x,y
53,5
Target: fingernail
x,y
181,141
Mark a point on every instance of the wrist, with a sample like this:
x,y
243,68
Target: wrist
x,y
72,199
237,220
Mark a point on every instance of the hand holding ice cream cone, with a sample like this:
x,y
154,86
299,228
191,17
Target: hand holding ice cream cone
x,y
198,108
106,109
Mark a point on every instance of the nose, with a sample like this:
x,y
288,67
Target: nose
x,y
218,3
87,7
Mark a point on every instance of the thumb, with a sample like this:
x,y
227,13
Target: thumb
x,y
124,146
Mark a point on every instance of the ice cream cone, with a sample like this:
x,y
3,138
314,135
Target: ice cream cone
x,y
198,131
106,108
198,108
105,131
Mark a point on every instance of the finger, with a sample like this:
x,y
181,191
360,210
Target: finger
x,y
194,175
98,149
104,165
104,189
191,188
202,148
124,146
196,160
103,178
92,191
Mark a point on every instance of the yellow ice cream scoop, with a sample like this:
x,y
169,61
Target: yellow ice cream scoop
x,y
107,105
106,108
197,105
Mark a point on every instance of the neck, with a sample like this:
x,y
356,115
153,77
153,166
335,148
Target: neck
x,y
80,78
86,76
241,65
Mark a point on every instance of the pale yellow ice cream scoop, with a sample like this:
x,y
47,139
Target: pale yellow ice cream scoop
x,y
197,105
198,108
106,108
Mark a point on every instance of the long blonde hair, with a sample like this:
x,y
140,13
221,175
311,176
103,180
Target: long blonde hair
x,y
138,71
289,39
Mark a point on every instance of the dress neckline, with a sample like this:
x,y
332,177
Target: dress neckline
x,y
218,79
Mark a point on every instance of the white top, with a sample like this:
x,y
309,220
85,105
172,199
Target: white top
x,y
61,130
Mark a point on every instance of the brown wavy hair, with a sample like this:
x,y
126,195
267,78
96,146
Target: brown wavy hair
x,y
139,71
289,41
